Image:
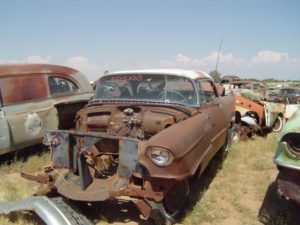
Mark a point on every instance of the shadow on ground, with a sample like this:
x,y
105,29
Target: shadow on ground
x,y
113,211
276,211
22,154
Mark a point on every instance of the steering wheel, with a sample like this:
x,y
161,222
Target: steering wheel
x,y
174,95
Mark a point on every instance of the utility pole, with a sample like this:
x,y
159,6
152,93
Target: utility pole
x,y
219,53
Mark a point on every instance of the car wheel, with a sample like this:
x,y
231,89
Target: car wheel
x,y
278,124
224,149
174,203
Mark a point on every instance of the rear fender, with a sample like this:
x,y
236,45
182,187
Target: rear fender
x,y
4,133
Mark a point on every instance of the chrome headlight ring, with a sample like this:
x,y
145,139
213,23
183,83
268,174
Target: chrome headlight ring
x,y
160,156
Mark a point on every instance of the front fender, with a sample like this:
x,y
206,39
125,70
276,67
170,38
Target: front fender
x,y
189,141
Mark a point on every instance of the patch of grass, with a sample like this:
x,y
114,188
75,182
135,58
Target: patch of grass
x,y
11,190
13,187
20,218
29,164
206,212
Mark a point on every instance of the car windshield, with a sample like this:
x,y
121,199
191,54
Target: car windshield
x,y
147,87
290,91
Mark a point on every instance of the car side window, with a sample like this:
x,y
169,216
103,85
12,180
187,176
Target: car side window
x,y
58,85
206,91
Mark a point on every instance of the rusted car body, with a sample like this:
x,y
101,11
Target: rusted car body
x,y
287,159
290,109
257,116
228,79
249,89
286,95
35,97
142,137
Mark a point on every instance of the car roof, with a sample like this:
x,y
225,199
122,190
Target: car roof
x,y
15,69
179,72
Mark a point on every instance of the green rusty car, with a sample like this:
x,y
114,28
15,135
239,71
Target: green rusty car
x,y
287,159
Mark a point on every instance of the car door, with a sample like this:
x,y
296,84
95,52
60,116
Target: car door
x,y
212,105
27,109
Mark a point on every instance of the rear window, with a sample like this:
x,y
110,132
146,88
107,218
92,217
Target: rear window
x,y
58,85
21,88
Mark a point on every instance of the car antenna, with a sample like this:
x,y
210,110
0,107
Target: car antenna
x,y
219,53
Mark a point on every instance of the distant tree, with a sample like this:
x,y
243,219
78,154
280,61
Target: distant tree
x,y
216,75
106,72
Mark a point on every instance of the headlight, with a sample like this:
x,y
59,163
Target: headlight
x,y
293,143
160,156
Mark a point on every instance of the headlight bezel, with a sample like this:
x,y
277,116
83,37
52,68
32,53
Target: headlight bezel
x,y
160,156
292,146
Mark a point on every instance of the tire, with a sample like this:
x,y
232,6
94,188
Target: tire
x,y
222,154
173,206
73,215
278,124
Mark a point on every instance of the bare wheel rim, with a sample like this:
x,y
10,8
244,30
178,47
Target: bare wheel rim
x,y
235,136
278,124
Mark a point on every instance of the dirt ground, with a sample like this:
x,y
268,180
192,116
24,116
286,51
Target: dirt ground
x,y
239,191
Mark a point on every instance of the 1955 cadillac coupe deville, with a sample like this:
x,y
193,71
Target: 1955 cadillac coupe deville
x,y
142,137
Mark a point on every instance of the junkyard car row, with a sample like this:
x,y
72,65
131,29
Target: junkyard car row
x,y
256,111
142,136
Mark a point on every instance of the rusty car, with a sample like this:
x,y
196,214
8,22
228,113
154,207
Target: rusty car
x,y
286,95
251,90
35,97
257,117
287,159
143,137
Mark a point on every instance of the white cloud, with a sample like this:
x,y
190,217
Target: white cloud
x,y
208,62
36,59
29,59
265,64
182,61
267,56
90,70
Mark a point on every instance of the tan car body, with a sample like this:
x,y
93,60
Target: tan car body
x,y
31,102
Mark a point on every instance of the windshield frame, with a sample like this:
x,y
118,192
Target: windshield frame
x,y
165,101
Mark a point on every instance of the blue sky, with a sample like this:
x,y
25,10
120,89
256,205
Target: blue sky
x,y
261,38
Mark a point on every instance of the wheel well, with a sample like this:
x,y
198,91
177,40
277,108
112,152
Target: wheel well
x,y
238,117
254,115
66,114
280,115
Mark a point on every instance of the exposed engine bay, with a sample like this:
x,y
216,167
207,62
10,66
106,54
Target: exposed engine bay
x,y
138,122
